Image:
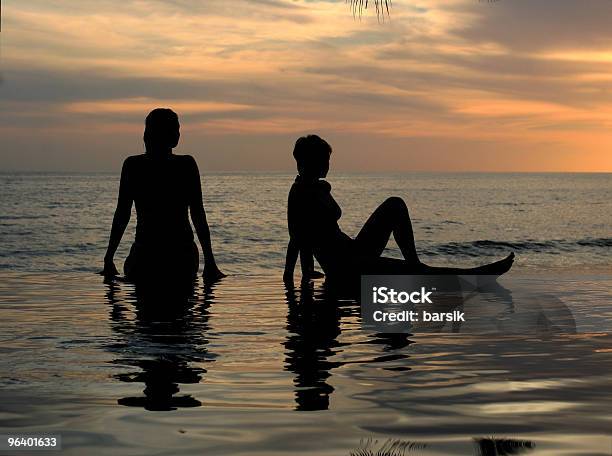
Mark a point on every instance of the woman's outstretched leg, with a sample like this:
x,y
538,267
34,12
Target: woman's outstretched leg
x,y
391,266
390,217
497,268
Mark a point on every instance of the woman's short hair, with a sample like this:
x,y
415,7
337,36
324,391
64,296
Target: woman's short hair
x,y
161,129
311,150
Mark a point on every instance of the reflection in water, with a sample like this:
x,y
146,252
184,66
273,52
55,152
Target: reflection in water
x,y
313,325
495,308
483,447
502,447
389,447
514,370
165,338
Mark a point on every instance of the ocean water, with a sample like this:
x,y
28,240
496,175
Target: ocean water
x,y
60,222
245,366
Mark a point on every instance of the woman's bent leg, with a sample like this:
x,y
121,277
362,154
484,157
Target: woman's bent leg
x,y
390,217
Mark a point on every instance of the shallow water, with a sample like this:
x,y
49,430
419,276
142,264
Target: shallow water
x,y
248,367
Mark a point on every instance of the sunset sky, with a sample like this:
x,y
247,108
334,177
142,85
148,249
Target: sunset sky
x,y
441,85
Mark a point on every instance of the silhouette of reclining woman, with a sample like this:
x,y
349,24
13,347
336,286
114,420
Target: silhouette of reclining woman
x,y
164,187
313,216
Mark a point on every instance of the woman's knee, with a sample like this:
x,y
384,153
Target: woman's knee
x,y
395,203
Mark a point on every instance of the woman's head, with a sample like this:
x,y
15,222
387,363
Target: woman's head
x,y
312,156
161,130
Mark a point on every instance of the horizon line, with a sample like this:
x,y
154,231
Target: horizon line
x,y
272,171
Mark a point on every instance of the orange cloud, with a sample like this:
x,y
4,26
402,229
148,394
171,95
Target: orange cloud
x,y
445,70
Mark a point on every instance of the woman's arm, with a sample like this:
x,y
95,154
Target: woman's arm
x,y
290,260
306,261
198,218
298,221
120,221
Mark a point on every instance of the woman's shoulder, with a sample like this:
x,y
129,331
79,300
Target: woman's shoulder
x,y
132,161
134,158
311,191
185,159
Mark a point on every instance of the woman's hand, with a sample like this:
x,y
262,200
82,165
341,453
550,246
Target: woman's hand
x,y
288,277
212,273
109,268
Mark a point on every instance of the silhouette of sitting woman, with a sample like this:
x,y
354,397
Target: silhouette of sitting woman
x,y
164,187
313,216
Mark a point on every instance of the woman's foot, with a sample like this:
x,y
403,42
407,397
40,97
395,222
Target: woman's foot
x,y
498,268
314,274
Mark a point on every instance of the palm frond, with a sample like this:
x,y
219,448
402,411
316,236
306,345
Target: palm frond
x,y
359,6
382,7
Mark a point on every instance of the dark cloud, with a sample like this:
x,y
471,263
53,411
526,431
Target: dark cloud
x,y
529,25
511,75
